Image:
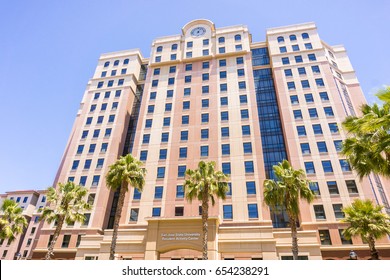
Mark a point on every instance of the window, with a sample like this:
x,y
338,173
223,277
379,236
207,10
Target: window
x,y
344,241
280,39
179,191
305,36
298,59
204,134
301,130
222,50
168,107
107,133
146,139
150,109
317,129
187,91
172,69
308,46
114,105
333,127
100,84
295,48
239,60
313,113
159,49
294,99
309,167
164,137
106,64
291,85
312,57
171,81
288,73
223,87
156,71
301,71
228,212
249,167
327,166
322,147
243,99
174,47
251,187
285,60
305,84
107,94
167,121
185,119
143,155
65,241
305,148
95,180
247,147
314,188
244,114
252,211
123,71
158,192
188,67
156,211
226,168
351,186
111,118
297,114
320,82
345,167
163,154
93,108
121,82
160,172
325,237
96,96
205,42
221,40
87,164
225,116
187,79
205,89
184,135
134,214
222,62
205,65
282,49
224,101
183,152
205,103
179,211
240,72
293,37
328,111
246,130
338,144
225,149
225,132
80,149
190,44
242,85
319,212
173,56
205,117
169,93
338,213
74,166
126,61
181,170
205,52
137,194
309,98
222,74
100,120
204,151
103,149
316,70
25,199
237,37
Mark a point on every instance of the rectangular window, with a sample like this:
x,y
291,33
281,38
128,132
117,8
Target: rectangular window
x,y
351,186
137,194
327,166
313,113
222,74
224,101
242,85
301,130
205,65
65,241
103,148
298,59
221,50
87,164
173,56
118,93
322,147
93,108
308,46
205,89
163,154
247,148
150,109
305,84
333,127
171,81
169,93
205,117
96,96
250,187
229,191
320,82
317,129
294,99
154,83
172,69
181,171
239,60
288,73
123,71
205,103
156,211
111,118
100,119
305,148
319,212
183,152
153,95
225,149
167,121
205,76
160,172
188,54
148,123
75,164
205,52
179,191
243,99
244,114
189,44
309,98
315,69
143,155
204,133
168,107
325,237
225,132
338,144
291,85
187,91
315,188
240,72
238,48
187,79
204,151
249,168
185,119
134,214
312,57
80,149
332,187
186,105
252,211
282,49
226,168
179,211
223,87
95,180
297,114
324,96
156,71
225,116
309,167
285,60
345,167
184,135
164,137
337,209
121,82
157,58
114,106
246,130
295,48
107,133
301,71
89,121
328,111
227,212
158,192
100,84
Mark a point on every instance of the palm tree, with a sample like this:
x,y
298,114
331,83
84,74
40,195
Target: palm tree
x,y
67,204
204,183
125,171
368,146
12,221
290,186
368,221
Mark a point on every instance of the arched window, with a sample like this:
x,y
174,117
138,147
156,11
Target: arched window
x,y
293,37
126,61
280,39
174,47
237,37
106,64
305,36
159,49
116,62
221,40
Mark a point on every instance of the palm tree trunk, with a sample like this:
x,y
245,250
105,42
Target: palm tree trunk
x,y
294,239
118,215
205,217
374,253
50,249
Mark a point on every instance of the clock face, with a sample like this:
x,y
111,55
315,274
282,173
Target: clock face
x,y
198,31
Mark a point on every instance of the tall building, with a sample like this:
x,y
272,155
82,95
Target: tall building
x,y
212,94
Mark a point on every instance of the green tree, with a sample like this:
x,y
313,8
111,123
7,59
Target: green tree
x,y
204,184
286,191
367,147
67,204
12,221
367,221
126,171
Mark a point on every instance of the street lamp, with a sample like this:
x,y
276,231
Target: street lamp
x,y
353,255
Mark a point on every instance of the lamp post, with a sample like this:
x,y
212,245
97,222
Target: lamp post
x,y
353,255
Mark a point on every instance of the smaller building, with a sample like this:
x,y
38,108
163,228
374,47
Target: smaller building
x,y
30,201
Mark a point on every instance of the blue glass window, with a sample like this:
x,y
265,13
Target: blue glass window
x,y
240,72
75,164
107,94
293,37
317,129
288,72
186,105
297,114
174,47
308,46
228,212
100,84
104,107
313,113
93,108
126,61
223,87
183,152
315,69
338,144
158,192
169,93
305,84
237,37
167,121
280,39
150,109
282,49
172,69
173,56
244,114
242,85
333,127
224,101
205,76
179,191
327,166
298,58
103,148
171,81
225,149
251,187
107,133
160,172
96,96
222,74
143,155
315,188
205,103
163,154
188,67
185,119
159,49
156,71
184,135
114,105
204,151
190,44
301,71
322,147
205,65
285,60
320,82
295,48
247,147
246,130
305,36
89,120
205,118
225,116
164,137
87,164
96,133
187,79
222,50
249,167
332,187
243,99
252,211
187,91
118,93
204,133
309,98
146,139
301,130
95,180
181,170
309,167
294,99
324,96
156,211
291,85
80,149
168,107
111,118
136,194
224,131
83,180
305,148
328,111
222,62
221,40
226,168
239,60
312,57
106,64
205,52
229,191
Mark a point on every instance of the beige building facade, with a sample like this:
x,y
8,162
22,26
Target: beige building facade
x,y
212,94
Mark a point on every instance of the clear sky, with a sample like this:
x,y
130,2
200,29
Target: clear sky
x,y
49,50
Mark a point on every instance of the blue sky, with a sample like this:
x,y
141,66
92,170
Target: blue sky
x,y
49,50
